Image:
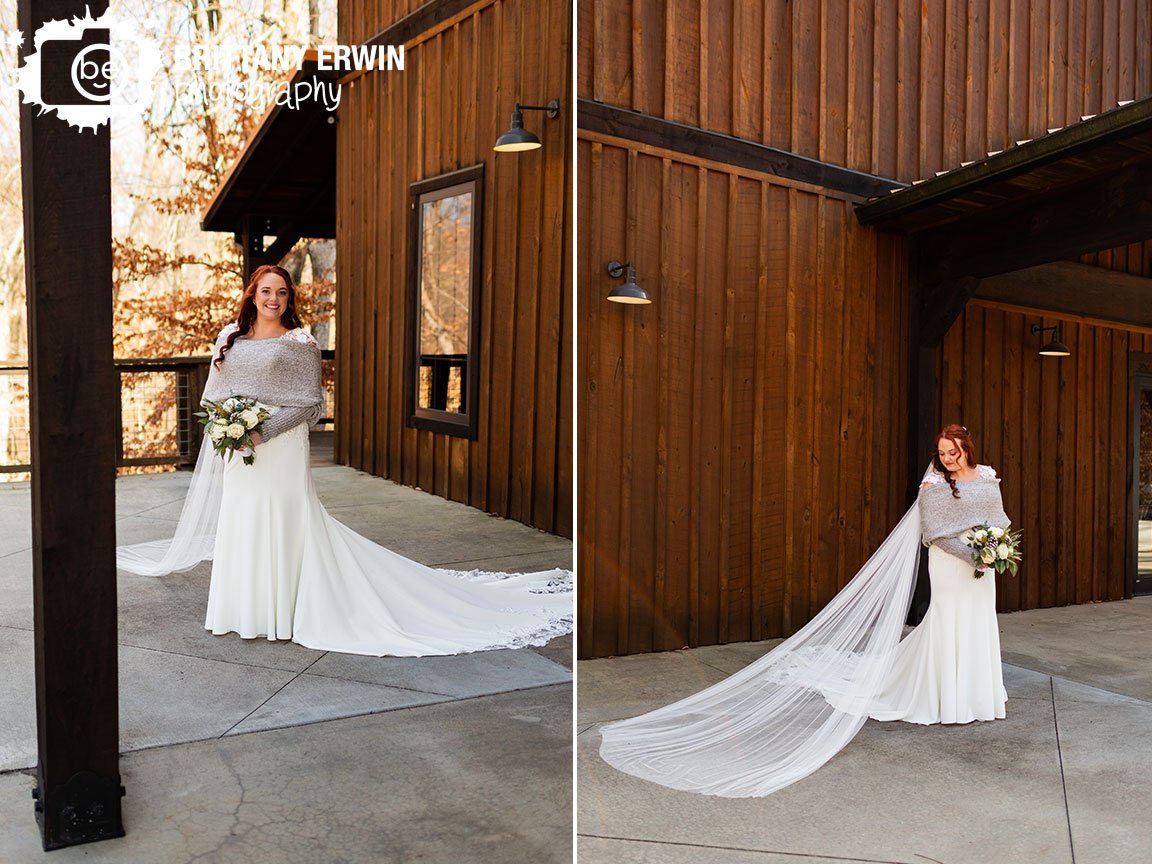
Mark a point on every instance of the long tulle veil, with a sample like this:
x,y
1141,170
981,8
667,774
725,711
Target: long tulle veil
x,y
195,534
783,716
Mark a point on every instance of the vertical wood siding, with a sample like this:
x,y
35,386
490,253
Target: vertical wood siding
x,y
740,443
1056,430
899,88
441,114
742,440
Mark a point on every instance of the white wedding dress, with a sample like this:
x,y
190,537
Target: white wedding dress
x,y
783,716
948,669
283,568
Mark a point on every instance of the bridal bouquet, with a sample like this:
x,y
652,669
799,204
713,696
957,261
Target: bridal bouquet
x,y
230,424
993,547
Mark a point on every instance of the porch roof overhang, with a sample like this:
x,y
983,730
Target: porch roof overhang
x,y
1072,191
1098,146
286,173
1021,215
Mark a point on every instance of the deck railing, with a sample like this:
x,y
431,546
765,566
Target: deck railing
x,y
156,412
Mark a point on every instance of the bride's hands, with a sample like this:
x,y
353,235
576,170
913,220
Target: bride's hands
x,y
248,449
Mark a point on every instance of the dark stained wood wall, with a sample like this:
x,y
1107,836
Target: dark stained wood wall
x,y
899,88
738,461
1056,430
1135,259
739,439
443,113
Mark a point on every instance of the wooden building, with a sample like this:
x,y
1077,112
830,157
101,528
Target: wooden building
x,y
473,406
751,436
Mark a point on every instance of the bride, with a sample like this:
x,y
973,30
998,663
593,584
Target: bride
x,y
783,716
282,567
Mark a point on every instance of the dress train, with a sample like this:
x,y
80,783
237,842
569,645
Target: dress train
x,y
284,568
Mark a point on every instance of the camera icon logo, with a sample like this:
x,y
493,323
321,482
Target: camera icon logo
x,y
89,70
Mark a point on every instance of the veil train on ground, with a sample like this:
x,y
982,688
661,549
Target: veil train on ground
x,y
783,716
196,531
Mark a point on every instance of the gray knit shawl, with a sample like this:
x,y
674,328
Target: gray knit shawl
x,y
942,516
279,372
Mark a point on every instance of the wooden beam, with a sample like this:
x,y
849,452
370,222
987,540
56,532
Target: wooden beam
x,y
284,227
425,18
727,149
285,240
1079,290
941,304
68,272
1099,213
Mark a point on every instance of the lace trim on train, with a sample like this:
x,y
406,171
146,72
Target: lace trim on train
x,y
561,583
550,624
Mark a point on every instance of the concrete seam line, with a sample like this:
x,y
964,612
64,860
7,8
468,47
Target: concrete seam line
x,y
215,659
273,696
1063,782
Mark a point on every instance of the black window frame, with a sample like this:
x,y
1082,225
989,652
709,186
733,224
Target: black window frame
x,y
460,424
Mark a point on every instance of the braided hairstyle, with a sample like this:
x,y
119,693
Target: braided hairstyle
x,y
959,436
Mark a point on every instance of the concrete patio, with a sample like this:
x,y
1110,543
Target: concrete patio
x,y
1062,779
254,751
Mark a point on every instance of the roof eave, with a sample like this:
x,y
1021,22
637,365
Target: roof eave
x,y
1118,123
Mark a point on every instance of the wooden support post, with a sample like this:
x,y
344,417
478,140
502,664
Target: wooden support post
x,y
68,272
251,239
923,398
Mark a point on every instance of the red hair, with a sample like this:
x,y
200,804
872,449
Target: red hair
x,y
959,436
246,311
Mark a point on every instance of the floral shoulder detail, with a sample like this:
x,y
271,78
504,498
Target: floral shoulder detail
x,y
228,330
987,472
301,335
932,478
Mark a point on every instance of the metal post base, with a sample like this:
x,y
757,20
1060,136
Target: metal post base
x,y
83,810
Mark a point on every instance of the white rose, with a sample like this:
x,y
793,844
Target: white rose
x,y
250,418
981,536
236,430
987,556
229,405
1002,552
996,532
216,431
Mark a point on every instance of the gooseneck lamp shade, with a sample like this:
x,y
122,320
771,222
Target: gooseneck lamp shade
x,y
1054,347
629,292
517,138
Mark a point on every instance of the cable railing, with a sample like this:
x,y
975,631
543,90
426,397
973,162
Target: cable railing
x,y
159,398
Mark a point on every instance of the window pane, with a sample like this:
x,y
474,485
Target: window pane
x,y
445,293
